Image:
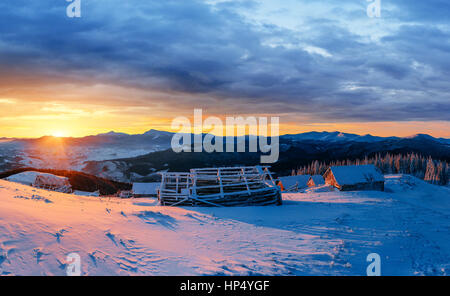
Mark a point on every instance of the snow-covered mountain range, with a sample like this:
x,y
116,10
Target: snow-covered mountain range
x,y
123,156
295,150
346,137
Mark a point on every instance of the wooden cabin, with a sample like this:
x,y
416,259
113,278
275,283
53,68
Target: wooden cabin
x,y
356,177
316,180
228,186
52,182
293,183
145,189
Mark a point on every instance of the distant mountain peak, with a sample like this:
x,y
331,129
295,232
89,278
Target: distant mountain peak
x,y
335,136
154,132
425,137
150,132
420,136
113,133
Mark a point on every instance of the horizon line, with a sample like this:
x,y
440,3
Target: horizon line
x,y
280,135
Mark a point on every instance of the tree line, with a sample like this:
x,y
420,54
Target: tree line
x,y
425,168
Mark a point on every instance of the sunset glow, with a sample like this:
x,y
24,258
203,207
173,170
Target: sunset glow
x,y
40,123
59,134
365,80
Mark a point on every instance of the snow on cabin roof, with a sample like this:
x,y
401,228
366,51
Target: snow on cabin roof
x,y
300,180
356,174
52,180
28,178
25,178
145,188
318,179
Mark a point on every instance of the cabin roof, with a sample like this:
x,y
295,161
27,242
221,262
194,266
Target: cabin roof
x,y
145,188
318,179
29,178
52,180
26,178
356,174
300,180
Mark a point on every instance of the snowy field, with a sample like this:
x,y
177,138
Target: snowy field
x,y
314,233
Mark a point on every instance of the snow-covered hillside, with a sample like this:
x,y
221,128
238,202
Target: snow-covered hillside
x,y
73,153
319,232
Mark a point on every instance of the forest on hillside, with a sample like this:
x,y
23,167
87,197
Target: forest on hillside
x,y
428,169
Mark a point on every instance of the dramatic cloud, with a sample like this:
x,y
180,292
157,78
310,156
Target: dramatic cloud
x,y
319,61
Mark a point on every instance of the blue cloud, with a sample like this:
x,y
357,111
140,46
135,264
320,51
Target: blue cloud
x,y
336,63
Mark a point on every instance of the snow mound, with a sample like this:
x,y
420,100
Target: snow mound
x,y
322,188
25,178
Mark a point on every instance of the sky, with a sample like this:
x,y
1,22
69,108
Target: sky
x,y
131,66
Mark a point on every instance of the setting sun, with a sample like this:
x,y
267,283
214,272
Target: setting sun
x,y
59,134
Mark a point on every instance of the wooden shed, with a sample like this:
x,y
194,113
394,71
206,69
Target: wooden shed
x,y
145,189
52,182
316,180
357,177
293,183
